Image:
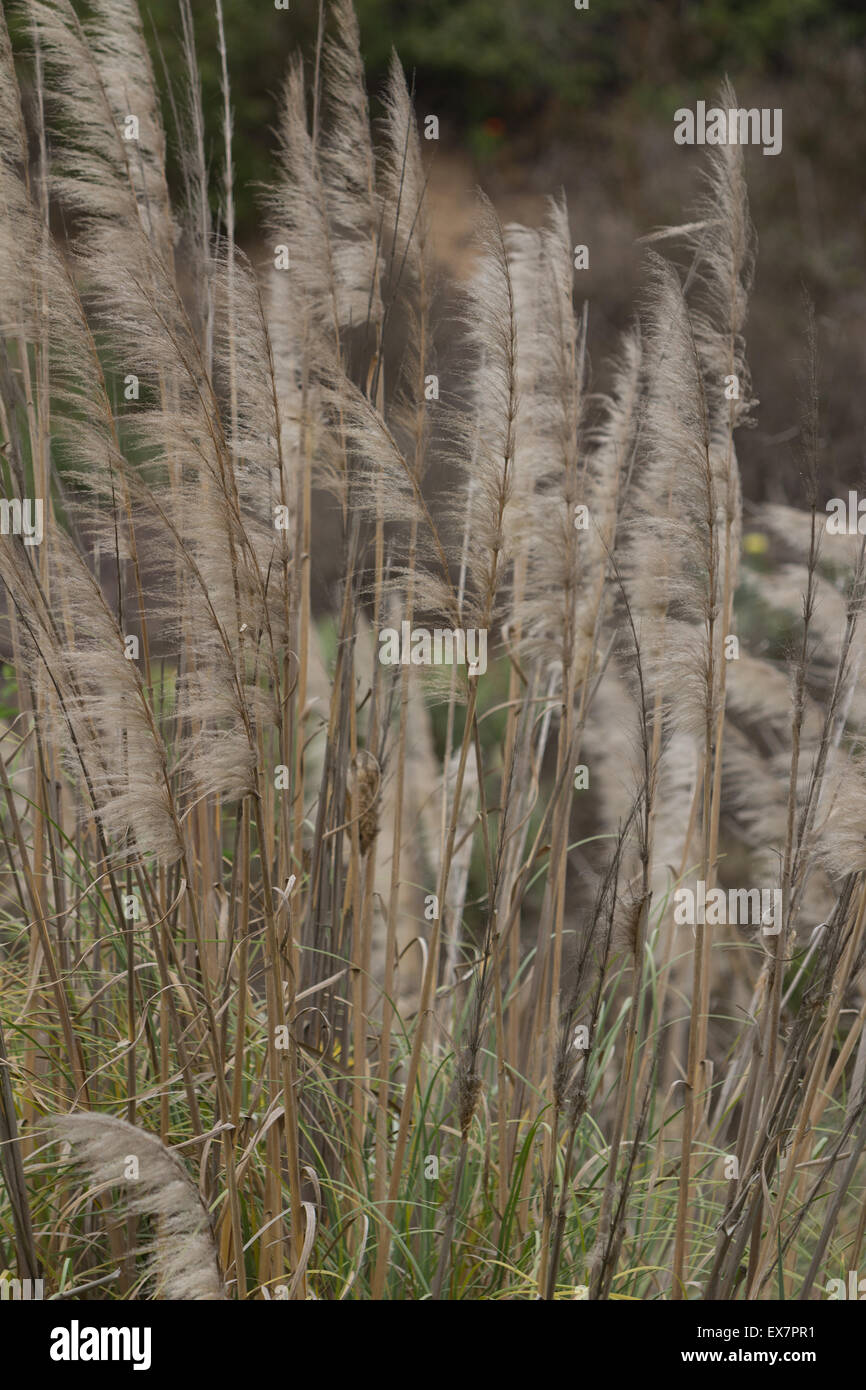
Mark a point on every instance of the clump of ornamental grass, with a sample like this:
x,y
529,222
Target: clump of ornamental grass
x,y
376,971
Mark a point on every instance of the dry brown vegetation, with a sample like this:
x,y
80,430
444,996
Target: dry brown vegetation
x,y
322,978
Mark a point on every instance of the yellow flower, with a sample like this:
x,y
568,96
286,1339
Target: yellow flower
x,y
755,543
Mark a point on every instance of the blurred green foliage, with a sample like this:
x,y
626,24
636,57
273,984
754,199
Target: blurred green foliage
x,y
509,61
8,692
